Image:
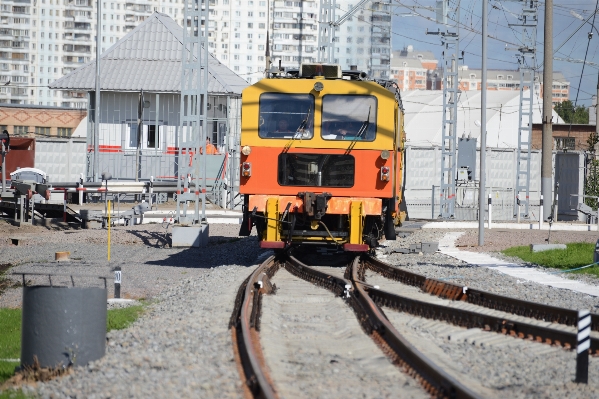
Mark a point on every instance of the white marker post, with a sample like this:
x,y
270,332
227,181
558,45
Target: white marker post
x,y
582,347
490,202
541,214
117,282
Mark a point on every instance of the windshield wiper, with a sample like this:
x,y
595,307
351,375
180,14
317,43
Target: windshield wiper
x,y
364,126
300,128
302,125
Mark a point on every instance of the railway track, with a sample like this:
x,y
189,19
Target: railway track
x,y
404,292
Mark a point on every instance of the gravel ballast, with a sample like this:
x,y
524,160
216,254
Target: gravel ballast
x,y
181,346
443,267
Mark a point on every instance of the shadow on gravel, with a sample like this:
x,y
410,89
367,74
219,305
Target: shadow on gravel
x,y
221,251
155,239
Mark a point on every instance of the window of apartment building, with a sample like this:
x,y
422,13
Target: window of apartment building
x,y
499,76
510,76
472,84
261,26
42,130
262,14
65,131
250,13
237,46
17,130
238,13
224,56
249,57
250,25
262,4
249,46
250,35
236,57
236,68
224,45
238,24
237,35
472,76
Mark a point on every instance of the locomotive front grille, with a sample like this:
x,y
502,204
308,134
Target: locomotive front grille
x,y
318,170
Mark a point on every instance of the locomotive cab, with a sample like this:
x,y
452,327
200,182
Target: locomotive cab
x,y
321,158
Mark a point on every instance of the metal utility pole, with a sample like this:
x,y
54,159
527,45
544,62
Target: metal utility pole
x,y
527,67
326,31
451,57
547,146
96,167
483,131
327,26
191,186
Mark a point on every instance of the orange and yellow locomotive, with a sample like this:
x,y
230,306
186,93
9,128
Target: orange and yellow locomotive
x,y
321,158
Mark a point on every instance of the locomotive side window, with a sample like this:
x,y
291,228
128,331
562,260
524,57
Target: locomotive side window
x,y
349,117
320,170
286,116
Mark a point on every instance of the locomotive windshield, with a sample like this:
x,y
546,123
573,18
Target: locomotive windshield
x,y
286,116
349,117
320,170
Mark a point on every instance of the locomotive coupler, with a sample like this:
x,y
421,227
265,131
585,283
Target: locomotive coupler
x,y
315,205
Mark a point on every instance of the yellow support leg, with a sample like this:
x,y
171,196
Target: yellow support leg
x,y
356,222
272,223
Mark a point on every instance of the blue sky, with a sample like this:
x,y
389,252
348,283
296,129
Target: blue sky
x,y
411,30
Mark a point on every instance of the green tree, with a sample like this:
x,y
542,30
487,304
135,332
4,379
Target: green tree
x,y
571,114
591,186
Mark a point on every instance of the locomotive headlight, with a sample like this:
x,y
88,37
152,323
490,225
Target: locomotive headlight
x,y
246,150
385,176
246,169
318,86
385,154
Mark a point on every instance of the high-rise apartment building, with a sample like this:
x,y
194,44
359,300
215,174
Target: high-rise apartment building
x,y
238,35
43,40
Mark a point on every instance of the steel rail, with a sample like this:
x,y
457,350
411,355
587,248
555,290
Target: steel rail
x,y
244,326
489,300
434,379
373,321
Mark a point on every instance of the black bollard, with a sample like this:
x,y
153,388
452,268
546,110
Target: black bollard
x,y
582,348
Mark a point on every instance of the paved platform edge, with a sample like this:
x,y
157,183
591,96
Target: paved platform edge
x,y
514,226
447,247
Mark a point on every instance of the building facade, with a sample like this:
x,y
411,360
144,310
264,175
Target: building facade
x,y
42,121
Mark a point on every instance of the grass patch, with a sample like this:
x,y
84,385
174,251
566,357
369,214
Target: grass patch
x,y
13,394
10,337
575,255
10,341
118,319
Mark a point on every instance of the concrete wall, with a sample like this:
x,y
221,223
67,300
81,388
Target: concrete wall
x,y
423,171
62,159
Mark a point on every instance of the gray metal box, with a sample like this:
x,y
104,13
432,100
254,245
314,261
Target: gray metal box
x,y
190,236
467,156
429,247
